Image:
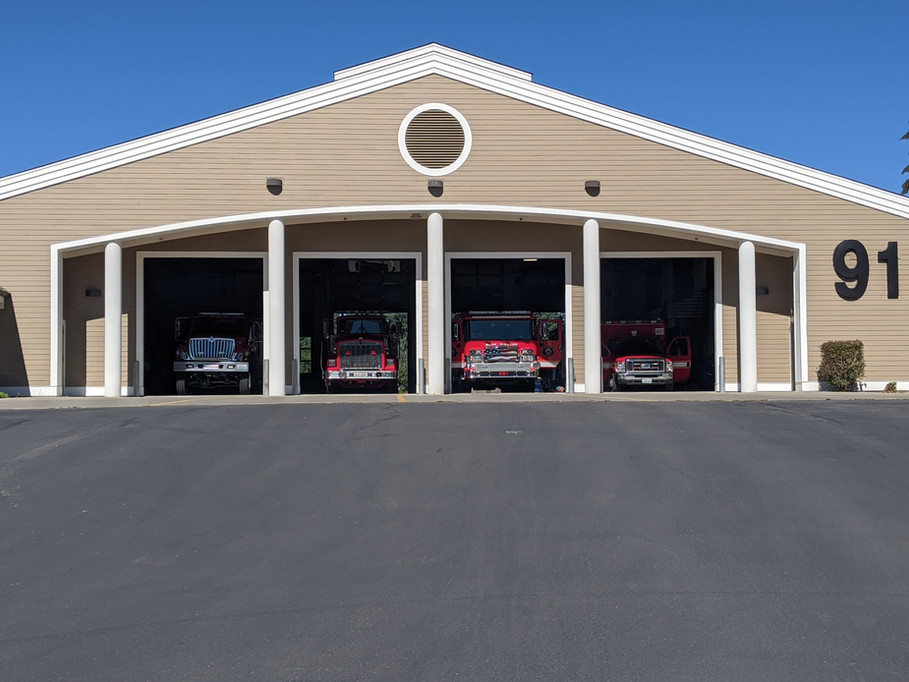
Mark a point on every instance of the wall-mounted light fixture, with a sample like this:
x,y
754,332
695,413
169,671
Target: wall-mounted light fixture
x,y
274,185
92,292
3,295
435,187
592,187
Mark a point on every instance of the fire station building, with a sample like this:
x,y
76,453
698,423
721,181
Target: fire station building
x,y
429,183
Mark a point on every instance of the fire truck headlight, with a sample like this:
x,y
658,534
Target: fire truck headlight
x,y
183,355
476,354
390,362
619,367
527,355
240,356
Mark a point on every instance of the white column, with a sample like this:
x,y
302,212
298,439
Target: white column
x,y
800,326
276,312
593,356
113,309
57,380
747,319
435,277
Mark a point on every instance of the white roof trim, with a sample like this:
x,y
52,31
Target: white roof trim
x,y
433,50
448,211
437,59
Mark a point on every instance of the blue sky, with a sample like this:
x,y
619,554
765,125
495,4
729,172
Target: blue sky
x,y
823,84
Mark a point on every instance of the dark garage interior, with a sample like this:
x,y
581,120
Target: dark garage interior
x,y
333,285
179,287
679,291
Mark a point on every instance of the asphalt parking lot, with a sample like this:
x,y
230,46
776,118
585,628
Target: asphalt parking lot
x,y
630,539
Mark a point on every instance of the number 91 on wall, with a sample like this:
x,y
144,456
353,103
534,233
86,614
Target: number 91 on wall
x,y
858,273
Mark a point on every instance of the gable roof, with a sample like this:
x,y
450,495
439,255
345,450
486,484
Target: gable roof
x,y
435,59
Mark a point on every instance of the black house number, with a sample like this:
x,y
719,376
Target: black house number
x,y
857,275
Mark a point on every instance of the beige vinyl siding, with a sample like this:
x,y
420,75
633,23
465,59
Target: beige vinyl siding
x,y
773,348
774,319
730,350
577,332
347,154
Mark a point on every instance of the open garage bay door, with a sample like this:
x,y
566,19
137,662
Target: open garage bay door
x,y
508,323
677,291
331,289
183,287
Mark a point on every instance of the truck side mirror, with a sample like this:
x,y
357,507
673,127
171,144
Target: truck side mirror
x,y
180,328
326,328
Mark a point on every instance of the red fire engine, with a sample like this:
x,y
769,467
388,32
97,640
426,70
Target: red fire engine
x,y
361,353
503,349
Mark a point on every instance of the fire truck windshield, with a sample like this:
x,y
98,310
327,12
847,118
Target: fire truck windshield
x,y
638,345
500,330
225,327
357,325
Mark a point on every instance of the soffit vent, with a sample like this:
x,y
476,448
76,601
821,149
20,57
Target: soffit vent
x,y
434,139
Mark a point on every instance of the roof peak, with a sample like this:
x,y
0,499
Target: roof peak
x,y
432,55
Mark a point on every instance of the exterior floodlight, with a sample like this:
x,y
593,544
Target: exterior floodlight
x,y
274,185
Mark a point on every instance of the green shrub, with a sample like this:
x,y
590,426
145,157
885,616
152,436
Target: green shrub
x,y
842,365
890,387
4,395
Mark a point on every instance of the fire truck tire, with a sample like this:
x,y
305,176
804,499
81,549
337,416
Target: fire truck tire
x,y
243,385
181,385
612,385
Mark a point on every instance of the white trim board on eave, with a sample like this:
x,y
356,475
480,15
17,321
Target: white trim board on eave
x,y
434,59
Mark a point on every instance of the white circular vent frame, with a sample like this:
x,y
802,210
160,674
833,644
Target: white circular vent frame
x,y
402,139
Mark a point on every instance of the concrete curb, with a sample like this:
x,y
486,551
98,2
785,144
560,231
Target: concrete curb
x,y
47,403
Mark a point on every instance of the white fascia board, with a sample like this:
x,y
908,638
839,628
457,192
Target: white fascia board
x,y
194,133
361,81
465,68
685,140
251,220
433,52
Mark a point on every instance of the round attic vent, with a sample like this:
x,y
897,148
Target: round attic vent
x,y
434,139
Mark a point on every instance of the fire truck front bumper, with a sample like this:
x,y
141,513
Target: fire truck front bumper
x,y
219,366
361,375
502,370
639,379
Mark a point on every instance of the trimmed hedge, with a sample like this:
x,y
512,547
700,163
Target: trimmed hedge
x,y
842,365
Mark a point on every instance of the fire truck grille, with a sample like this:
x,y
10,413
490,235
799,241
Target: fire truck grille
x,y
655,366
502,353
361,355
211,348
